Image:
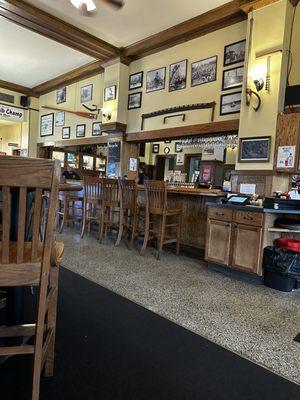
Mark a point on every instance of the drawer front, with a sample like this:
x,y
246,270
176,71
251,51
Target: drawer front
x,y
220,213
248,218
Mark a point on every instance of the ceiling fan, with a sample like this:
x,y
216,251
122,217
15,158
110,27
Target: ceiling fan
x,y
89,7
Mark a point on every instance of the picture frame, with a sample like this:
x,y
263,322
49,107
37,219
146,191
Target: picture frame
x,y
134,100
255,149
86,93
234,53
177,75
233,78
96,129
60,118
230,103
204,71
155,148
110,93
156,80
178,147
136,80
47,125
66,132
61,95
80,130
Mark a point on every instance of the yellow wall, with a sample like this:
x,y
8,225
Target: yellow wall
x,y
295,50
10,133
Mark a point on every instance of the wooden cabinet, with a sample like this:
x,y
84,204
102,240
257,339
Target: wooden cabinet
x,y
218,242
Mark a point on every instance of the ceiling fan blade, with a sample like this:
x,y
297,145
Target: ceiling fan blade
x,y
114,3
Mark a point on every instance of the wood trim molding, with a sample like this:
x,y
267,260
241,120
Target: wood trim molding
x,y
33,18
188,130
18,88
80,142
113,127
220,17
78,74
256,4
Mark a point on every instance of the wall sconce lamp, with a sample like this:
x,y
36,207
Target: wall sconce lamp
x,y
106,114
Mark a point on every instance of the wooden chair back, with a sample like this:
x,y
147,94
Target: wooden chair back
x,y
110,192
156,196
128,194
92,188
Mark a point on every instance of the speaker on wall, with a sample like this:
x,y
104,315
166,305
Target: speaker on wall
x,y
24,101
142,149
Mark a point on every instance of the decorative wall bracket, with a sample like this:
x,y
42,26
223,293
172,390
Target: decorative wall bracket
x,y
188,107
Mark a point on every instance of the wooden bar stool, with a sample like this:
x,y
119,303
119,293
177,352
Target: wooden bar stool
x,y
110,205
70,207
157,207
91,201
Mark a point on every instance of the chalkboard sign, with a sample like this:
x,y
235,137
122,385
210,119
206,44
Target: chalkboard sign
x,y
114,152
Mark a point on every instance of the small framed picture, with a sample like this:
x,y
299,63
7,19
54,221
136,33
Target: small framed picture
x,y
178,147
177,75
156,80
60,118
204,71
110,93
86,93
61,95
232,78
134,100
255,149
66,132
155,148
230,103
96,129
167,141
234,53
47,125
80,130
136,80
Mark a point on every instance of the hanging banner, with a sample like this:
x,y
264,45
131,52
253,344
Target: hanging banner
x,y
11,113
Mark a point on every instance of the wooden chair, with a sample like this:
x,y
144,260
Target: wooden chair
x,y
110,205
157,207
91,201
34,262
70,208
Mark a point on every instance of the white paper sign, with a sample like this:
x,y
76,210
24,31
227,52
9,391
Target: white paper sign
x,y
286,156
133,164
247,188
180,159
11,113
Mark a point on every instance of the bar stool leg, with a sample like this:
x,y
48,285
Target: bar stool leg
x,y
146,237
134,226
84,212
101,225
121,227
178,234
161,235
65,212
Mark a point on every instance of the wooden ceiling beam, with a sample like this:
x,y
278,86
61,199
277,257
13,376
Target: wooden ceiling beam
x,y
18,88
43,23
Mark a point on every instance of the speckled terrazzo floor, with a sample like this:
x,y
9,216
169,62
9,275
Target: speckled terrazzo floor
x,y
254,321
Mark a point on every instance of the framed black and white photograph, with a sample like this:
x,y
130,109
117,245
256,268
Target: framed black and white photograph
x,y
156,80
177,75
232,78
47,125
204,71
178,147
60,118
234,53
134,100
230,103
255,149
110,93
66,132
155,148
96,129
61,95
80,130
86,93
136,80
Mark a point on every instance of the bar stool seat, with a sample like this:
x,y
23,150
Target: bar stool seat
x,y
91,202
110,206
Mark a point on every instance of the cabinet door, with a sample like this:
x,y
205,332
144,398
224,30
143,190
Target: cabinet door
x,y
246,248
217,247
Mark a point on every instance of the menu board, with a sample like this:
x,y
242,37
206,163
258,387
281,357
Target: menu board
x,y
114,152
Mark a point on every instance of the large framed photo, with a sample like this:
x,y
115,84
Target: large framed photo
x,y
60,118
66,132
156,80
86,93
47,125
232,78
96,129
234,53
134,100
136,80
61,95
155,148
80,130
230,103
177,75
204,71
178,147
110,93
255,149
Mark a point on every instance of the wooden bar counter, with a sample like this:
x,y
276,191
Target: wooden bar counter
x,y
193,203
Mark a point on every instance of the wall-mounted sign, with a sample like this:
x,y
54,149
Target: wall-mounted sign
x,y
114,151
133,164
13,144
11,113
286,156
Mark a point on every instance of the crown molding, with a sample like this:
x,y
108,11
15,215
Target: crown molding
x,y
18,88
